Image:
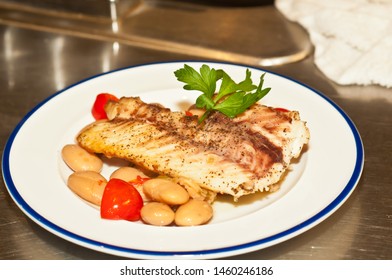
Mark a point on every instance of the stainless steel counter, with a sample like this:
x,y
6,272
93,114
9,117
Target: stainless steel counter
x,y
41,55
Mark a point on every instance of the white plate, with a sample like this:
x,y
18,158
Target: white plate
x,y
319,182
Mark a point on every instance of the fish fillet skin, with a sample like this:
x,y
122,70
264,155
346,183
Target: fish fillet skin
x,y
232,156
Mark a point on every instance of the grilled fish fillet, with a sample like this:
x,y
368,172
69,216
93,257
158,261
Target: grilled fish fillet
x,y
233,156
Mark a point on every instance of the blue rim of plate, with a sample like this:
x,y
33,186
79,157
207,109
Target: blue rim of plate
x,y
225,251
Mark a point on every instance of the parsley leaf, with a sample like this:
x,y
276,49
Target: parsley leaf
x,y
232,98
205,81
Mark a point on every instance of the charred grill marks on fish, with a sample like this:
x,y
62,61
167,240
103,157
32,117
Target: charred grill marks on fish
x,y
218,134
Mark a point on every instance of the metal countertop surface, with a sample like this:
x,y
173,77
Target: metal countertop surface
x,y
40,56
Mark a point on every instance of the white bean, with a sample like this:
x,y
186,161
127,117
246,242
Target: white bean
x,y
78,159
157,214
165,191
89,185
193,213
127,174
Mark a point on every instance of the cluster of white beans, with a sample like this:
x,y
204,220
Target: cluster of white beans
x,y
165,202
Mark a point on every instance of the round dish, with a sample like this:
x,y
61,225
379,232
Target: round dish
x,y
35,174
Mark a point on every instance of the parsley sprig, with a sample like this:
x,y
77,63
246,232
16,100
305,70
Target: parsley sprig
x,y
232,98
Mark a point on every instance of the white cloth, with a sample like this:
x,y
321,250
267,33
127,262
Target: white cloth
x,y
352,38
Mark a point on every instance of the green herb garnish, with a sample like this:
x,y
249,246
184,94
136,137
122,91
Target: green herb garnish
x,y
231,100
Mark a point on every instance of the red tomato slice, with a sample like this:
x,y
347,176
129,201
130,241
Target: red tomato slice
x,y
282,109
121,201
98,109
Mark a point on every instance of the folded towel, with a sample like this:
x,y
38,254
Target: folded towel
x,y
352,38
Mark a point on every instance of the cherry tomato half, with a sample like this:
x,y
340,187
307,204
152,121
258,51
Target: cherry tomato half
x,y
282,110
98,109
121,201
